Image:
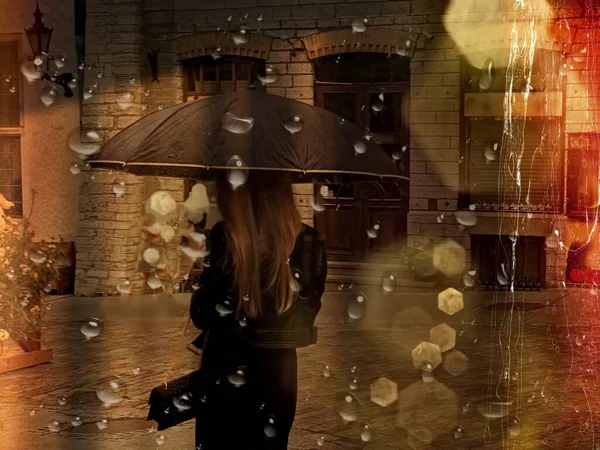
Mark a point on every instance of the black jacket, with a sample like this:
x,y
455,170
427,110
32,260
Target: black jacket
x,y
214,304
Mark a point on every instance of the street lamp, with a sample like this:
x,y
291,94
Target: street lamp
x,y
39,36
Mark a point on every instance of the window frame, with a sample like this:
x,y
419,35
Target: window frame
x,y
16,131
464,196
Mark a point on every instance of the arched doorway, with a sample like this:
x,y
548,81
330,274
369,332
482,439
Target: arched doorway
x,y
372,91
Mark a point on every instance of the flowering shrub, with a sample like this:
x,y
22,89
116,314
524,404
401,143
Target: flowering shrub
x,y
27,271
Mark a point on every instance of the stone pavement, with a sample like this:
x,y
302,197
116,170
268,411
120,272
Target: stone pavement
x,y
532,371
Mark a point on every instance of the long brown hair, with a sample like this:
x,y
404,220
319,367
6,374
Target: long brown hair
x,y
262,223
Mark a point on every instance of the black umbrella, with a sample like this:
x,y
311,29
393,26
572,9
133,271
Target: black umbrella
x,y
247,130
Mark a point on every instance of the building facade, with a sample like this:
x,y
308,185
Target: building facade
x,y
415,73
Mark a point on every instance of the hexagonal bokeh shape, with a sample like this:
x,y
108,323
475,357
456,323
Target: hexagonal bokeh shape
x,y
426,356
455,362
450,301
384,392
449,258
432,408
444,336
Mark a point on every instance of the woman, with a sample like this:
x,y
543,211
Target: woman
x,y
257,303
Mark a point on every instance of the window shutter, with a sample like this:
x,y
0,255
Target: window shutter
x,y
493,184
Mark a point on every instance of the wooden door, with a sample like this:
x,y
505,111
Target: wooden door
x,y
352,210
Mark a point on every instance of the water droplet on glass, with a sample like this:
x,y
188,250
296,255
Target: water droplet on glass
x,y
237,174
378,106
357,307
372,233
32,413
389,282
487,74
183,402
161,439
76,422
270,427
321,441
12,89
87,141
327,371
360,26
260,18
466,218
102,425
243,321
494,409
347,405
124,286
119,190
513,428
48,95
353,383
240,37
92,328
137,371
294,125
224,309
237,125
125,101
62,401
458,432
60,60
270,76
54,426
580,340
112,392
100,75
238,378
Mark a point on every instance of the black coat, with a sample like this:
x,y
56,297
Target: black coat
x,y
213,305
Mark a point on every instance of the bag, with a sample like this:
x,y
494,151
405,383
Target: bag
x,y
172,403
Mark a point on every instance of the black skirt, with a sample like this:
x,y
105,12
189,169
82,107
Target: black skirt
x,y
246,397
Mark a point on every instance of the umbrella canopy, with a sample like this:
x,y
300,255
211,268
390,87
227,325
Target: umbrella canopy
x,y
247,130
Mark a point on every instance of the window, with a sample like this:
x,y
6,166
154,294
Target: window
x,y
582,175
489,170
492,256
10,123
208,76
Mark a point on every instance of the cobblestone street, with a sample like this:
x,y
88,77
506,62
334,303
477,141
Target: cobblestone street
x,y
549,387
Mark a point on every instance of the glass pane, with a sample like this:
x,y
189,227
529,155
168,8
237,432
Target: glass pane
x,y
362,68
209,70
10,103
10,172
242,71
225,71
388,118
341,104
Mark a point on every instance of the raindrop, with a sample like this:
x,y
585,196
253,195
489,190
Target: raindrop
x,y
357,307
360,26
372,233
76,422
125,101
88,141
472,207
72,83
238,173
347,405
12,89
327,371
161,439
8,79
296,280
229,18
321,441
396,156
243,322
48,95
100,75
119,190
487,74
360,146
468,279
513,428
378,106
112,392
153,282
580,340
246,298
466,408
75,169
270,427
270,76
62,401
183,402
161,107
489,153
260,18
137,371
29,72
224,309
466,218
389,282
102,425
238,378
494,409
353,383
132,81
240,37
92,328
458,432
124,287
54,426
60,60
237,125
294,125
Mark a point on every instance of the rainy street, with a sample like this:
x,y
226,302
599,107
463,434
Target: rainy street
x,y
546,397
